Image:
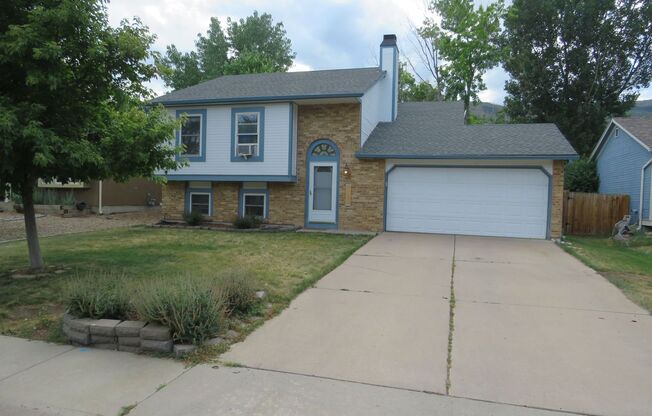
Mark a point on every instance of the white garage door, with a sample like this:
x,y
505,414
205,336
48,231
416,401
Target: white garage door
x,y
471,201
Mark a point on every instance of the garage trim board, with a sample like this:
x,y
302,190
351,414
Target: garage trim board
x,y
535,231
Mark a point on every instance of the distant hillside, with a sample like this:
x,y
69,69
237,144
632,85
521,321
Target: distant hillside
x,y
643,108
486,109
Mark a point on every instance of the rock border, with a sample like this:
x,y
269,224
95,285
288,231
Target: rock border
x,y
117,335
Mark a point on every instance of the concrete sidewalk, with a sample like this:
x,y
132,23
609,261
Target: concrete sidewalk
x,y
40,379
205,391
37,378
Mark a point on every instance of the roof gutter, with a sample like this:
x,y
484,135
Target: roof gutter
x,y
255,99
642,193
362,155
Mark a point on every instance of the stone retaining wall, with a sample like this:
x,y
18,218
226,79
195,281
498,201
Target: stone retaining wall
x,y
113,334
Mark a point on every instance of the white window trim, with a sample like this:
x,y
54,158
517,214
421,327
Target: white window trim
x,y
201,125
210,201
244,201
257,134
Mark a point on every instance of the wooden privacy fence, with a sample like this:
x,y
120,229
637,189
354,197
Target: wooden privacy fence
x,y
593,214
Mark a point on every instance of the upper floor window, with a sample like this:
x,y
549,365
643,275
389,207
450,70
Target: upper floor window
x,y
248,134
192,135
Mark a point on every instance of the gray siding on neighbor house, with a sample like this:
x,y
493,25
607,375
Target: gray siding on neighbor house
x,y
619,167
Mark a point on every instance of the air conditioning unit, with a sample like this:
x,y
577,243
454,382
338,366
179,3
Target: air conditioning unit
x,y
246,150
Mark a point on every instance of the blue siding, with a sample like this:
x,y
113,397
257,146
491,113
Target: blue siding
x,y
646,193
619,167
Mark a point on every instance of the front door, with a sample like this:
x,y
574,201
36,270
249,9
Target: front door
x,y
322,193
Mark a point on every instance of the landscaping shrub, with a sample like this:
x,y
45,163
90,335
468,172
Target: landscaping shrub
x,y
193,218
238,291
191,308
97,296
248,221
582,176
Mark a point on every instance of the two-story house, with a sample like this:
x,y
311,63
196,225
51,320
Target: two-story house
x,y
334,149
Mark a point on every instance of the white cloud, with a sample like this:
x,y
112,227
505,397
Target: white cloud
x,y
299,66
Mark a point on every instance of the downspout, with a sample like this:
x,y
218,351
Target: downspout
x,y
99,202
640,199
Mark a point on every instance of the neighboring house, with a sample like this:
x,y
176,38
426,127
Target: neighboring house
x,y
335,150
109,197
624,160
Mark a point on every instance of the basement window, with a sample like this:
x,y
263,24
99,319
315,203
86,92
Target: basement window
x,y
254,205
200,202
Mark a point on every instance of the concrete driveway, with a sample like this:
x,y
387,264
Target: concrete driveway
x,y
531,327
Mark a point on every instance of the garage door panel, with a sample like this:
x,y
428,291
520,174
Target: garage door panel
x,y
475,201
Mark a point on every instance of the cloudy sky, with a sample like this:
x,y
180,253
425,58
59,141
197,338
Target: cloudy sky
x,y
325,34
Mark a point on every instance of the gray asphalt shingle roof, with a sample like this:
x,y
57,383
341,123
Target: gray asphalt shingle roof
x,y
641,127
279,85
437,130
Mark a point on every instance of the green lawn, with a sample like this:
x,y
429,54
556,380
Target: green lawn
x,y
283,264
626,265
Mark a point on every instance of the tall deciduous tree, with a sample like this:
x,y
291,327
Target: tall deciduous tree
x,y
469,42
575,63
409,89
70,106
425,40
252,45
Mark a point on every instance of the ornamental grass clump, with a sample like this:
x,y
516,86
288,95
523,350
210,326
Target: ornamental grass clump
x,y
238,291
98,295
192,308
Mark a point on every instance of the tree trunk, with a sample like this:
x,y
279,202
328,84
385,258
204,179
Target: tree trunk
x,y
35,258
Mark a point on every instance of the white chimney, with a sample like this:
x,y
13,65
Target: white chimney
x,y
389,86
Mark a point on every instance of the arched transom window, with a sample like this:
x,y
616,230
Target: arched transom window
x,y
324,149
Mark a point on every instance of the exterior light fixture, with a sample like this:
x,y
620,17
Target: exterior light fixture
x,y
346,171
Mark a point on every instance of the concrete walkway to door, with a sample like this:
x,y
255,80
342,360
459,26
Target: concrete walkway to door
x,y
532,326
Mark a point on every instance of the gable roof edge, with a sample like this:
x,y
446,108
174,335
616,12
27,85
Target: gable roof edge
x,y
597,150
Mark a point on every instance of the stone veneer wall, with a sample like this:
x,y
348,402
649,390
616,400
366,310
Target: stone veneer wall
x,y
341,124
173,200
225,200
556,215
